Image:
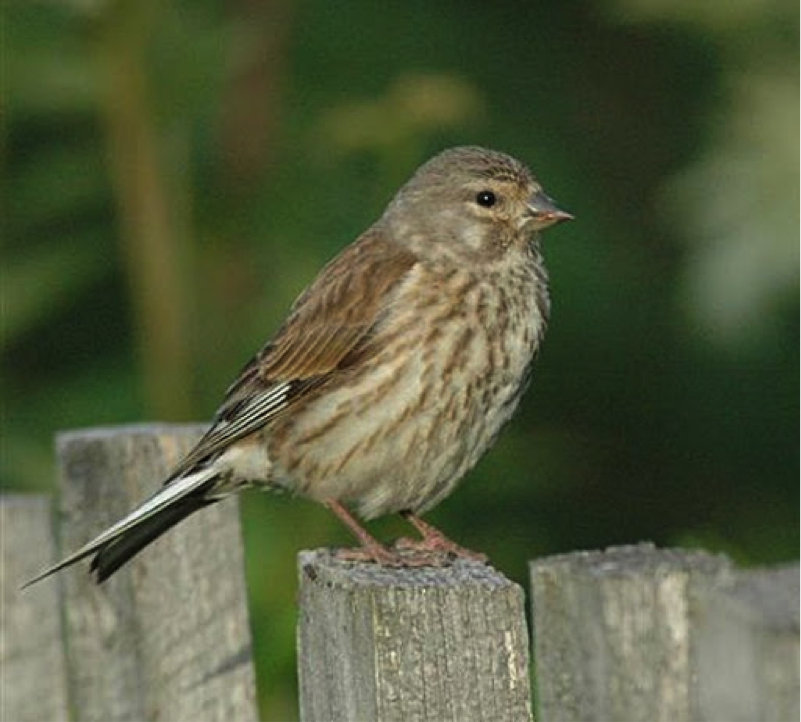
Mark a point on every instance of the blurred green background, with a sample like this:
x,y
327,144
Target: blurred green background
x,y
176,172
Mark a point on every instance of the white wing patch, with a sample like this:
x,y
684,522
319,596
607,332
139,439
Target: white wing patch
x,y
256,412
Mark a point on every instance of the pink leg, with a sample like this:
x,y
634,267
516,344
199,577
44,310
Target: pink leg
x,y
371,549
435,541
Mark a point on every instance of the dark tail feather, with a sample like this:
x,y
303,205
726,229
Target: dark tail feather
x,y
116,545
122,549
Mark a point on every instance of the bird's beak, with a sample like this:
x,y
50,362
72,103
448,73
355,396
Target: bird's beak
x,y
544,212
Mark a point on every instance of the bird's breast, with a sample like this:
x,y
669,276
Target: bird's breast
x,y
445,371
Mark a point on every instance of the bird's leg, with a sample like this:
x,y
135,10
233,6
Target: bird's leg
x,y
435,541
371,549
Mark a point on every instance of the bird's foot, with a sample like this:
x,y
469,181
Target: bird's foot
x,y
399,556
377,554
433,550
438,548
435,542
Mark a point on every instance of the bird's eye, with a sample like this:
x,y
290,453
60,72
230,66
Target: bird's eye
x,y
486,199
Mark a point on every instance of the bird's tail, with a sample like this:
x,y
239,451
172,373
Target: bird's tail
x,y
123,540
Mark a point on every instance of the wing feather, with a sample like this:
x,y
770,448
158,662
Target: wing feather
x,y
327,329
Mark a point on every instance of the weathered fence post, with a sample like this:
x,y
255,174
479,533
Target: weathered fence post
x,y
632,633
412,645
33,674
636,633
167,637
746,641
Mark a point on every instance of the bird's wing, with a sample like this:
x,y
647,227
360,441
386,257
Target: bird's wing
x,y
326,331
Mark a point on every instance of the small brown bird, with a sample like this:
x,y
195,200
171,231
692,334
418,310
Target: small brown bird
x,y
394,372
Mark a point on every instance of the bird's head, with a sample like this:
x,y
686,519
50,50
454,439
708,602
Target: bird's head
x,y
470,203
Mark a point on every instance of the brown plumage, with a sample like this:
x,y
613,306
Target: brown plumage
x,y
394,371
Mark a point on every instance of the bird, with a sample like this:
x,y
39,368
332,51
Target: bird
x,y
392,375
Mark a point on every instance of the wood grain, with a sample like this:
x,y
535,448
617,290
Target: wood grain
x,y
639,633
33,673
167,637
410,645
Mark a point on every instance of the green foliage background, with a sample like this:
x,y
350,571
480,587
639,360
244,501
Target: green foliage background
x,y
176,172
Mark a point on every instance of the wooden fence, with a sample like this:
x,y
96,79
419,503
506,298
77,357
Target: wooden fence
x,y
631,633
